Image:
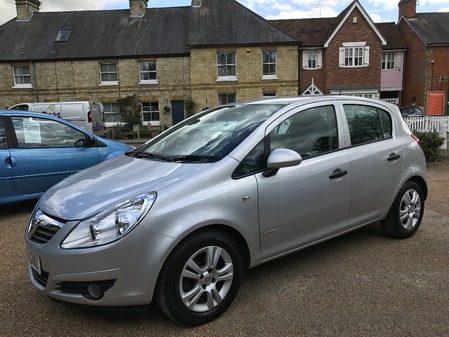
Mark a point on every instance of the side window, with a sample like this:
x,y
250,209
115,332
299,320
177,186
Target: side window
x,y
43,133
3,143
254,162
310,132
367,123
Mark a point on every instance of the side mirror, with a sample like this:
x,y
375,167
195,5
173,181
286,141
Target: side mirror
x,y
90,140
280,158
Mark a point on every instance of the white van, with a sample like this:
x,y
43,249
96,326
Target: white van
x,y
88,115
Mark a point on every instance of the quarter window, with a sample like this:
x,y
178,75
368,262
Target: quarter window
x,y
367,123
22,77
108,73
147,72
269,64
226,67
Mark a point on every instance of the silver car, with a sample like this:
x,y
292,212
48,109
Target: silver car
x,y
179,219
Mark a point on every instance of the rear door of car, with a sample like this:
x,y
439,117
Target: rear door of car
x,y
303,204
45,152
377,159
6,186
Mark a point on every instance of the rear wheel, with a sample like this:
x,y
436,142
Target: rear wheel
x,y
200,279
405,215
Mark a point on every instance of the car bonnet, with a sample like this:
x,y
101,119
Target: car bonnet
x,y
105,185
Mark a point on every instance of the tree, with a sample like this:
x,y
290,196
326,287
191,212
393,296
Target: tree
x,y
131,113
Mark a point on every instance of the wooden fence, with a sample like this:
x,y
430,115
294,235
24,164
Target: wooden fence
x,y
427,123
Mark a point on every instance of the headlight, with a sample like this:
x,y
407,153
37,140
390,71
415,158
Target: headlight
x,y
110,225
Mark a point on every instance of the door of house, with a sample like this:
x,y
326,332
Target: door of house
x,y
177,111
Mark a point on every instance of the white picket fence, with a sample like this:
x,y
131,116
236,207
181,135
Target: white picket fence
x,y
427,123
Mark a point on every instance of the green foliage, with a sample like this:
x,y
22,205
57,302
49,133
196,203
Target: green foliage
x,y
430,141
130,110
190,107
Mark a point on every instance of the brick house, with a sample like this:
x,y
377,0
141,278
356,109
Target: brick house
x,y
214,52
427,75
349,55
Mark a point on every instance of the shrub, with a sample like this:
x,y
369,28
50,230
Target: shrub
x,y
430,141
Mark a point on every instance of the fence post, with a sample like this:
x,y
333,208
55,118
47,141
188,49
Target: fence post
x,y
442,133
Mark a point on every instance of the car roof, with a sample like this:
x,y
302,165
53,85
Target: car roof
x,y
314,99
27,114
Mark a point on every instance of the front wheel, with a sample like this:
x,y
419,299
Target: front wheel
x,y
406,213
200,278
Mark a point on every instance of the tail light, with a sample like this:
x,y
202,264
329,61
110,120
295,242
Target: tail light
x,y
416,139
89,117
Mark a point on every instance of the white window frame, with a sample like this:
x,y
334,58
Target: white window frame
x,y
25,77
148,71
226,96
111,109
354,55
109,72
312,59
229,67
271,63
151,113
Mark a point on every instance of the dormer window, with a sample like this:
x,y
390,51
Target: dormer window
x,y
63,35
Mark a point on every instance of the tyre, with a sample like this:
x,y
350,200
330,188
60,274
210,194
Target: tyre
x,y
200,278
406,213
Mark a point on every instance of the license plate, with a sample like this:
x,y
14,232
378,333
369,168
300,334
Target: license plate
x,y
35,262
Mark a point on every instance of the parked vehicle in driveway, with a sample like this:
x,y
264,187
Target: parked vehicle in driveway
x,y
411,111
37,151
88,115
179,219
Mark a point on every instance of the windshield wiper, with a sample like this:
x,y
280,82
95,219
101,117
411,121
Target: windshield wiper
x,y
193,158
143,154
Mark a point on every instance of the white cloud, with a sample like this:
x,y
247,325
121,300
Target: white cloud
x,y
300,14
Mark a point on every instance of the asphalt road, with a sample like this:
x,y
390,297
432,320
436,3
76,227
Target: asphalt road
x,y
361,284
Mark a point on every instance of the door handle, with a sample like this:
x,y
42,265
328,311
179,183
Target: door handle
x,y
393,156
338,173
10,162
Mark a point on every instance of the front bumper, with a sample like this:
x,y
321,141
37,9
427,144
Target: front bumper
x,y
125,272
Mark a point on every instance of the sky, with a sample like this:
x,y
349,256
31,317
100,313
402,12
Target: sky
x,y
379,10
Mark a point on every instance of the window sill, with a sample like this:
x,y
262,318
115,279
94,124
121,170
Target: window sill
x,y
22,86
269,77
153,82
227,79
109,83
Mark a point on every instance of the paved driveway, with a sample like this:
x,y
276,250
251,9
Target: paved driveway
x,y
361,284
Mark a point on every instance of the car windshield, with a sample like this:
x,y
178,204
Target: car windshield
x,y
210,136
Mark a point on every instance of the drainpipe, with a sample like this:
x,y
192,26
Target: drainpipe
x,y
36,89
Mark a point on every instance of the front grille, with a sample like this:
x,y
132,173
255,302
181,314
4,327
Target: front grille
x,y
40,278
42,234
42,227
76,287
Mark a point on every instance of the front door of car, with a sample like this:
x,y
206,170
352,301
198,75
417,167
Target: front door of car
x,y
377,159
306,203
47,152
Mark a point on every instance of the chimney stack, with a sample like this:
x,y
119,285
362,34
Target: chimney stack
x,y
196,3
407,8
137,8
26,8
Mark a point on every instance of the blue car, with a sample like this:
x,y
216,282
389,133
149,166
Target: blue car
x,y
37,151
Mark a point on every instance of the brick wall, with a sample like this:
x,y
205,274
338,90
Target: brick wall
x,y
249,84
355,29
